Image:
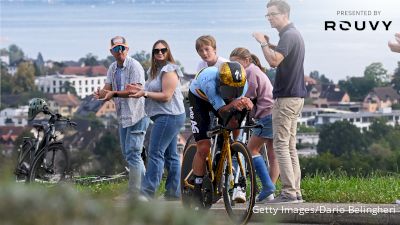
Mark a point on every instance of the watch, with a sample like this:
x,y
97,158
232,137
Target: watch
x,y
263,44
145,94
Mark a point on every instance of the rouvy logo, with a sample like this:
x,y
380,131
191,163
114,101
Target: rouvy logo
x,y
357,25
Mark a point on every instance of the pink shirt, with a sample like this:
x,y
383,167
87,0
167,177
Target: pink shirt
x,y
260,88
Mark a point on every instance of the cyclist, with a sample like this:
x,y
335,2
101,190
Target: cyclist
x,y
220,91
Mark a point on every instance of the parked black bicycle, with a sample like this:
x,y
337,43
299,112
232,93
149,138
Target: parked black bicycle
x,y
44,160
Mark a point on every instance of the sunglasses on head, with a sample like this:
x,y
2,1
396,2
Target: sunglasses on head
x,y
158,50
118,48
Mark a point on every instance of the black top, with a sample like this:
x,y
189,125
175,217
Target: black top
x,y
289,81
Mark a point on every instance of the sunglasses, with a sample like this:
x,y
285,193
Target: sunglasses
x,y
271,14
158,50
118,48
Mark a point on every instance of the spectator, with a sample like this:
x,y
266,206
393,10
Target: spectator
x,y
395,45
260,92
131,115
289,92
206,47
164,106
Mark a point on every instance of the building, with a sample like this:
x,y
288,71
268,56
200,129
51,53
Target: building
x,y
362,120
90,105
86,70
330,96
309,114
84,85
14,116
64,104
380,98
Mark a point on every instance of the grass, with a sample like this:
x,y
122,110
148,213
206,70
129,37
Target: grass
x,y
329,188
341,189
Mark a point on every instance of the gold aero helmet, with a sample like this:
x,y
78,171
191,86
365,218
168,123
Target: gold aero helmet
x,y
232,78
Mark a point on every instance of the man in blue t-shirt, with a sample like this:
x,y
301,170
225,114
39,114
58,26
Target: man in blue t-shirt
x,y
289,92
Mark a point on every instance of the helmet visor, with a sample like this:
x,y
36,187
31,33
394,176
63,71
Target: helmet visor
x,y
229,93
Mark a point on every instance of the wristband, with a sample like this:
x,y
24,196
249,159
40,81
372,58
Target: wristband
x,y
115,95
145,94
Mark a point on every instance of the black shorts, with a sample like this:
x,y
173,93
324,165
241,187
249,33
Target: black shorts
x,y
199,113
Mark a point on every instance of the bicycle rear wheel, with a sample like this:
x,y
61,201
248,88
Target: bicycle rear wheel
x,y
24,161
51,166
244,182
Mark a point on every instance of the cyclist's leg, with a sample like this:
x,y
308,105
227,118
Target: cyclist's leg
x,y
200,120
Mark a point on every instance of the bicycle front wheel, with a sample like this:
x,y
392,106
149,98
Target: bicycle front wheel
x,y
239,198
51,166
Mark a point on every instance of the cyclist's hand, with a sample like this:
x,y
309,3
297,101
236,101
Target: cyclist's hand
x,y
242,103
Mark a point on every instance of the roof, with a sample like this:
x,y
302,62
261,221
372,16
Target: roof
x,y
10,132
89,105
332,94
384,93
86,70
66,100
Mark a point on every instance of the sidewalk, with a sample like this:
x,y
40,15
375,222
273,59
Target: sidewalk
x,y
324,213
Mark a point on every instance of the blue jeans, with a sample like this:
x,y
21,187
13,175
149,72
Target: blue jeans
x,y
163,152
131,139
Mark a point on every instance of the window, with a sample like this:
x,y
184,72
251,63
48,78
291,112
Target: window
x,y
351,120
54,90
92,89
54,83
92,81
60,82
86,82
73,82
87,89
80,82
98,81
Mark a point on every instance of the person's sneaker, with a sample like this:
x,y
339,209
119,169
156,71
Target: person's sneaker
x,y
283,199
270,197
239,196
264,197
299,198
142,198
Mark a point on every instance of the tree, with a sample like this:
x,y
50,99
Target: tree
x,y
109,154
339,138
89,60
39,65
16,54
24,78
67,87
396,78
144,59
377,73
320,78
6,82
378,130
357,87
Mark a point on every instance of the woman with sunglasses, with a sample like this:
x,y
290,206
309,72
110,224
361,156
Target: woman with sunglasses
x,y
164,106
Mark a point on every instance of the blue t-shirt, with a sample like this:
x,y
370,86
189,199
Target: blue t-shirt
x,y
118,79
206,84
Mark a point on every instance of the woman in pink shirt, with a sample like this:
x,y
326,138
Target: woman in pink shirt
x,y
260,91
